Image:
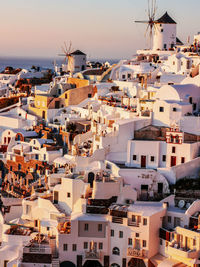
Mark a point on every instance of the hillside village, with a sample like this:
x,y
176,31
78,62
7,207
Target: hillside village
x,y
100,165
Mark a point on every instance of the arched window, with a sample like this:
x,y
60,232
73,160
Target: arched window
x,y
116,251
114,265
177,139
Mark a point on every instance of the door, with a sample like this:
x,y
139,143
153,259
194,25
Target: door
x,y
143,161
56,197
57,104
137,244
93,246
91,179
43,114
160,188
173,161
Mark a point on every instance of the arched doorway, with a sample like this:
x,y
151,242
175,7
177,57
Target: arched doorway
x,y
91,179
67,264
92,263
134,262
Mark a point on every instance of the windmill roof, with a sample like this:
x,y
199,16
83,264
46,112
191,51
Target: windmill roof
x,y
166,19
77,52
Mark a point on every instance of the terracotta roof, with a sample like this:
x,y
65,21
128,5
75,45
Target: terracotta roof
x,y
77,52
166,19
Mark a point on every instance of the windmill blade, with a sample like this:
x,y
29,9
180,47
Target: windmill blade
x,y
61,55
146,30
149,12
65,46
141,21
154,10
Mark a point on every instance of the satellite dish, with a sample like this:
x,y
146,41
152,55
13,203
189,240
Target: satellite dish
x,y
181,203
187,205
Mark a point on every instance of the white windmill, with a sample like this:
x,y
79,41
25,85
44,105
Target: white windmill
x,y
151,22
67,65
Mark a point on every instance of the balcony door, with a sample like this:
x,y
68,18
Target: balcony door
x,y
143,161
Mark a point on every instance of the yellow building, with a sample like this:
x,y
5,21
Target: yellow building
x,y
45,106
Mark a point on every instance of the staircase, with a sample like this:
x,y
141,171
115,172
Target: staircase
x,y
61,210
55,262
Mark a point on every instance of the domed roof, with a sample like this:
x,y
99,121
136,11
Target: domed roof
x,y
166,19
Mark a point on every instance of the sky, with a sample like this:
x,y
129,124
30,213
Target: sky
x,y
102,29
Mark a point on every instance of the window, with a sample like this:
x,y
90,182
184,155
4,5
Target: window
x,y
164,158
130,242
85,245
173,149
169,219
86,227
112,232
19,167
177,221
120,234
161,30
165,46
89,95
152,158
116,251
174,109
48,228
190,100
144,221
65,247
10,168
160,241
74,247
161,109
129,75
144,243
133,218
68,194
134,157
137,234
99,227
182,159
44,156
123,76
100,245
36,156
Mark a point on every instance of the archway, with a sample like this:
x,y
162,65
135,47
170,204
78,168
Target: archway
x,y
67,264
134,262
91,179
92,263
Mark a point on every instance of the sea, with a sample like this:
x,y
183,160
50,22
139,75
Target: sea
x,y
45,63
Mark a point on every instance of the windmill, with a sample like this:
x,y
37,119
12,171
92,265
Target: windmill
x,y
151,22
68,58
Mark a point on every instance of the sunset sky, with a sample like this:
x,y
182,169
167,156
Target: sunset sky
x,y
102,29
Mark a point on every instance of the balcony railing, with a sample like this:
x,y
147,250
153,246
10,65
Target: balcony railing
x,y
134,224
92,255
117,220
182,252
39,249
136,253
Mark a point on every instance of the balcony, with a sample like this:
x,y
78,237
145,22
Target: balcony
x,y
117,220
37,249
182,252
92,255
134,224
136,253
